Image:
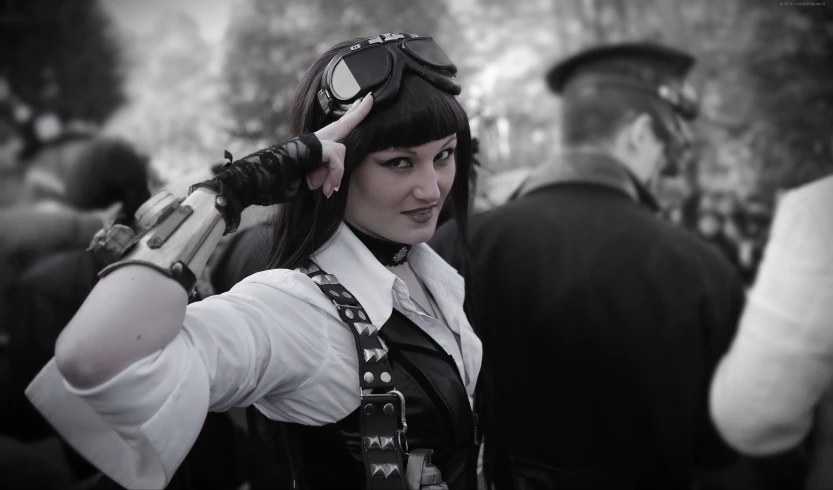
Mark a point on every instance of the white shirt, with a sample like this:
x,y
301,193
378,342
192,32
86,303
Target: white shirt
x,y
781,361
274,341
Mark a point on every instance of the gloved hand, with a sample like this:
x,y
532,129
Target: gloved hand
x,y
273,175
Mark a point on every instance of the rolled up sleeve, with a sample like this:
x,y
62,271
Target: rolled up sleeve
x,y
781,361
233,350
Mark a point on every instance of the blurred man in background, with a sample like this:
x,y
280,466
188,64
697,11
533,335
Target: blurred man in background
x,y
601,322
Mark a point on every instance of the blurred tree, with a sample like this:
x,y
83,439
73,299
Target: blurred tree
x,y
793,95
61,57
175,88
271,43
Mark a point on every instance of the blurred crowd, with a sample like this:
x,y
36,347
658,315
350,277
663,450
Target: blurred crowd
x,y
738,228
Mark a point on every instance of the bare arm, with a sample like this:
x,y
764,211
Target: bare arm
x,y
136,310
27,228
132,312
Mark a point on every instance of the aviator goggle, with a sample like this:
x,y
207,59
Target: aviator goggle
x,y
377,64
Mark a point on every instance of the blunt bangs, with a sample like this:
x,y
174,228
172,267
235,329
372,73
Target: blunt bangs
x,y
421,113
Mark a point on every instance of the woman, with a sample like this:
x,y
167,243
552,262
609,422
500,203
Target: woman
x,y
356,337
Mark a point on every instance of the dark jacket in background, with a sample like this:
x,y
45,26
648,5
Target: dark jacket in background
x,y
603,325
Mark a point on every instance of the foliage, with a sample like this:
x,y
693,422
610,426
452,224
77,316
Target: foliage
x,y
175,111
61,57
271,43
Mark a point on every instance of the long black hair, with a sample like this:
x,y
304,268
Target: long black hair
x,y
421,113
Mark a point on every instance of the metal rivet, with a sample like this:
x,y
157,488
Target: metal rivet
x,y
177,268
368,377
221,201
349,313
346,294
155,241
368,409
388,409
362,315
385,377
334,293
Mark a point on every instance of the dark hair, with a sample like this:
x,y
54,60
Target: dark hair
x,y
598,119
106,171
421,113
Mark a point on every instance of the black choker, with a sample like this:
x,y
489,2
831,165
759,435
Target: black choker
x,y
387,252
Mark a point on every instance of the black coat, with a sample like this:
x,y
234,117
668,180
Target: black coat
x,y
602,325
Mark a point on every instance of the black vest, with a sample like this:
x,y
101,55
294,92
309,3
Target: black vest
x,y
437,410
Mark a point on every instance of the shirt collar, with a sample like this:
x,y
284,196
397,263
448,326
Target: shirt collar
x,y
373,284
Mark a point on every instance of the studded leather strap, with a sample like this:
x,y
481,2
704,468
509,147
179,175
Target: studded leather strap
x,y
382,410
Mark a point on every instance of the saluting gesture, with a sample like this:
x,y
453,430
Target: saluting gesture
x,y
333,152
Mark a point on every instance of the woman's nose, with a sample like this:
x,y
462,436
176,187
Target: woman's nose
x,y
427,187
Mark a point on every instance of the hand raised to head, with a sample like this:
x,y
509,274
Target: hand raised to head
x,y
333,153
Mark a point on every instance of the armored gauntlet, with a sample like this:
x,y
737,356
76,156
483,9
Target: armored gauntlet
x,y
171,235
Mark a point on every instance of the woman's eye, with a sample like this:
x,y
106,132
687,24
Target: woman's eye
x,y
444,155
398,163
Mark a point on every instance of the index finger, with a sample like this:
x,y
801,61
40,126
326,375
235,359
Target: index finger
x,y
341,128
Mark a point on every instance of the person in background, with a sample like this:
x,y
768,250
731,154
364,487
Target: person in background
x,y
603,320
769,385
712,227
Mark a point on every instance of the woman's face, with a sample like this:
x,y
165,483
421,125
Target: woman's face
x,y
397,194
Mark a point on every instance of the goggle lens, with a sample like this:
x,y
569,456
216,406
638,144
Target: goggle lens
x,y
360,70
428,52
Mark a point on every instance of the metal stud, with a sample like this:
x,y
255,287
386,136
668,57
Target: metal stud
x,y
391,470
384,470
373,442
325,279
374,355
369,408
386,443
349,314
347,295
314,268
368,377
385,377
388,409
363,328
362,315
334,293
177,268
320,279
221,201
